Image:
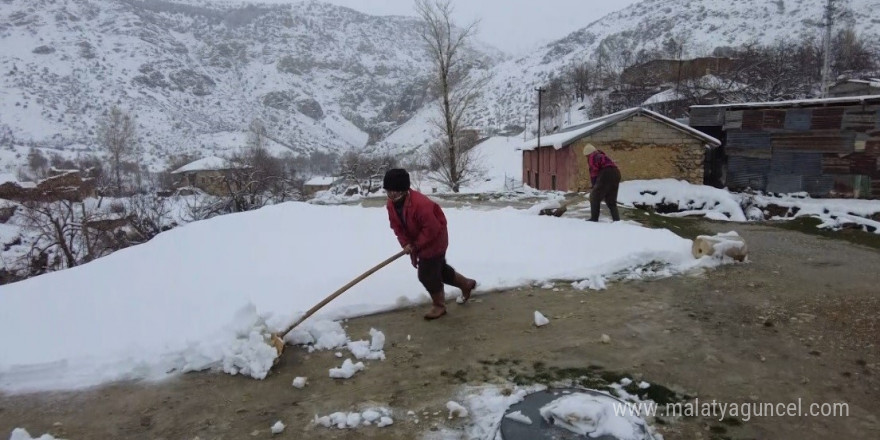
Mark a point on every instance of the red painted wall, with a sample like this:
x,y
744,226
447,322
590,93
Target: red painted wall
x,y
552,162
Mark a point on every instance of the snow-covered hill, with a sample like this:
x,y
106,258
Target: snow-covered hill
x,y
320,77
699,26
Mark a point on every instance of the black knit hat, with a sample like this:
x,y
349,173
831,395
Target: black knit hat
x,y
396,179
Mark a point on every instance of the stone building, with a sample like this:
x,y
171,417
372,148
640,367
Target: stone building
x,y
643,143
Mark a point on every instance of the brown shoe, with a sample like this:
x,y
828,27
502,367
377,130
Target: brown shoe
x,y
466,285
438,306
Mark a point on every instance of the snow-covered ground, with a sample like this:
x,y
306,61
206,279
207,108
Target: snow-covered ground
x,y
204,295
686,199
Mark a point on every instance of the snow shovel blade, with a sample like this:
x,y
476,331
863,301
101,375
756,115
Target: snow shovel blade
x,y
276,340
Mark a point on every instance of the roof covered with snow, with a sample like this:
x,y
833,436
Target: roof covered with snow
x,y
580,131
321,180
706,84
206,164
854,100
873,82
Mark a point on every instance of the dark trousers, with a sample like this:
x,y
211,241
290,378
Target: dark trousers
x,y
605,189
434,272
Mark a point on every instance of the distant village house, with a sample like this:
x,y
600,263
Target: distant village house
x,y
319,183
209,174
68,185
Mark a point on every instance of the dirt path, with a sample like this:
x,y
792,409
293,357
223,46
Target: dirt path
x,y
800,321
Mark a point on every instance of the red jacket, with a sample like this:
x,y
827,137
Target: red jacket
x,y
598,161
425,225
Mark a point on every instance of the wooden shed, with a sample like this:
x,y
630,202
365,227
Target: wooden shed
x,y
824,147
643,143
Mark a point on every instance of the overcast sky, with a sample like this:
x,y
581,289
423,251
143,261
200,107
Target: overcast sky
x,y
510,25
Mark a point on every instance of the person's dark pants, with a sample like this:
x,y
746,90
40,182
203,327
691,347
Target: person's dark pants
x,y
434,272
605,189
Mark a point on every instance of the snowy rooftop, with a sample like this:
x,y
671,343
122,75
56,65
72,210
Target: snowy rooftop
x,y
873,82
708,83
206,164
322,180
865,99
571,134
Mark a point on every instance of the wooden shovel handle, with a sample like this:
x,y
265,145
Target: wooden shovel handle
x,y
340,291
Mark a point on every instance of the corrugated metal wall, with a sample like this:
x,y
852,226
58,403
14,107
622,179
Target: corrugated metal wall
x,y
824,151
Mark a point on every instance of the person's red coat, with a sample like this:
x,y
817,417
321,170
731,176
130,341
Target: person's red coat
x,y
425,225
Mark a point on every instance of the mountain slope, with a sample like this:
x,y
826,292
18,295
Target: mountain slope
x,y
320,77
701,25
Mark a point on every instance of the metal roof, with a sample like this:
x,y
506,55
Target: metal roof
x,y
853,100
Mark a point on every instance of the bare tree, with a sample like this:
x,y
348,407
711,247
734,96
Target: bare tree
x,y
853,53
149,215
457,91
117,135
365,171
72,233
439,157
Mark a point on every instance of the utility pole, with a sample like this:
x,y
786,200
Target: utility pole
x,y
540,90
826,62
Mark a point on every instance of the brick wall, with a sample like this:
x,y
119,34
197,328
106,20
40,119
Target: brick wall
x,y
644,149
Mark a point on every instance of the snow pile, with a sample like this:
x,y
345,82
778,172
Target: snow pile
x,y
677,198
518,416
347,370
318,335
380,417
834,213
726,246
456,410
328,335
486,406
593,415
277,428
335,197
22,434
682,198
596,282
372,350
206,295
540,319
300,382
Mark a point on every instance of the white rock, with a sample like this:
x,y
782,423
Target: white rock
x,y
605,339
384,421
